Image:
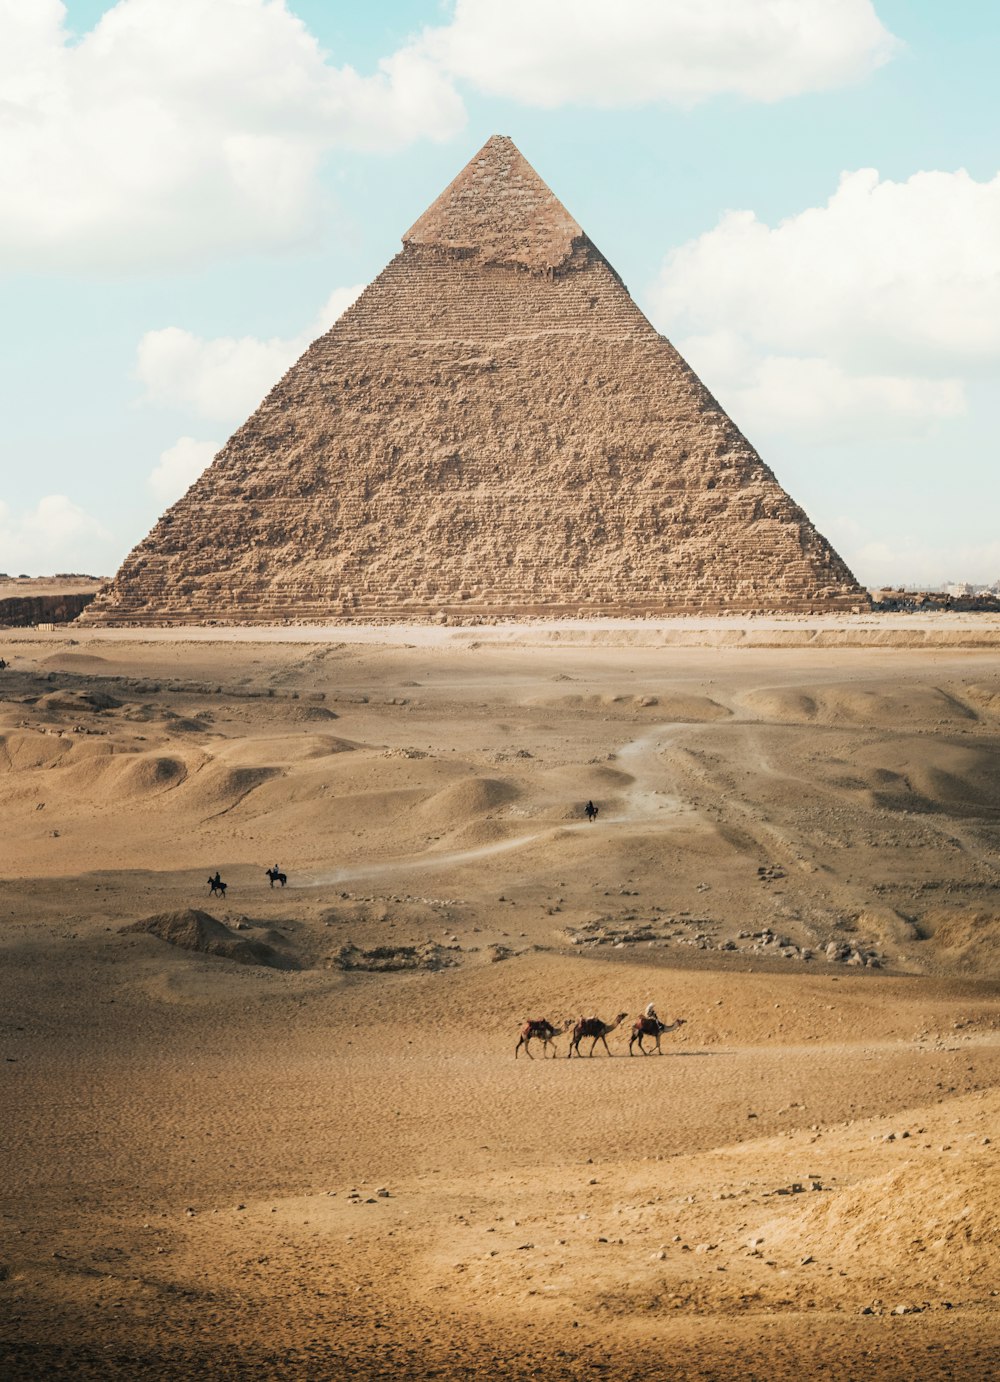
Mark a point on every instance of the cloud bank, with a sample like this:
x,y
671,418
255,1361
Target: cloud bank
x,y
176,131
56,535
636,52
868,314
178,468
221,378
225,377
176,128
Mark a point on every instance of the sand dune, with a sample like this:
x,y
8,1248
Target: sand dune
x,y
284,1135
880,707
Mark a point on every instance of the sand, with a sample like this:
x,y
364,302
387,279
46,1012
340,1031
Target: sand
x,y
284,1134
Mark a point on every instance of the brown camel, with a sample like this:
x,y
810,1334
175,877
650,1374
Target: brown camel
x,y
653,1027
540,1029
593,1027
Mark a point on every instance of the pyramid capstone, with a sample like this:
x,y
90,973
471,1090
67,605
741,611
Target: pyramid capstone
x,y
492,430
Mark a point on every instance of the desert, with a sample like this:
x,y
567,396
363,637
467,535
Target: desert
x,y
283,1133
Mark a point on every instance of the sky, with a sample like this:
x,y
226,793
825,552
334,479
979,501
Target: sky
x,y
802,195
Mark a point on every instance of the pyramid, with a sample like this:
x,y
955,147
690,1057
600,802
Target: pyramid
x,y
493,429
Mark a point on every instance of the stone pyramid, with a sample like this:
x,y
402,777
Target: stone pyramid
x,y
492,430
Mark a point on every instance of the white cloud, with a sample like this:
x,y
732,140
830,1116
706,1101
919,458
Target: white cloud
x,y
56,535
178,468
177,128
634,52
816,399
895,275
867,316
226,377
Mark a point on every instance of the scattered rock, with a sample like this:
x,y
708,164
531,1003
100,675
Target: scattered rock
x,y
390,959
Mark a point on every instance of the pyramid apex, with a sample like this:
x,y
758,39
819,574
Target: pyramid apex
x,y
499,211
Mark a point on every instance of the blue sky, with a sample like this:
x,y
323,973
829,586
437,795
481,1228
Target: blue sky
x,y
802,194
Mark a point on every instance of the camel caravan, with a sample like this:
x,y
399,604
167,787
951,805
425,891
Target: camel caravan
x,y
648,1025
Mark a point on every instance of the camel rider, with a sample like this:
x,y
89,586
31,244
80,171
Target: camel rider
x,y
650,1012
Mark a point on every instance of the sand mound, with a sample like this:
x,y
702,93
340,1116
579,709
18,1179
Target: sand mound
x,y
196,930
217,787
455,804
145,773
682,706
986,698
939,776
879,707
182,724
669,705
95,768
303,714
964,938
478,834
782,706
573,781
19,752
283,749
77,701
971,789
582,701
900,1219
78,661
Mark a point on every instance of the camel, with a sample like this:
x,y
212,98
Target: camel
x,y
540,1029
652,1026
593,1027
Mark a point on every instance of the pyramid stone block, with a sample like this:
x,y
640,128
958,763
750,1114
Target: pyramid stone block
x,y
493,429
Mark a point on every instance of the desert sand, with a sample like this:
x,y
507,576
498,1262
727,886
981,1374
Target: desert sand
x,y
284,1134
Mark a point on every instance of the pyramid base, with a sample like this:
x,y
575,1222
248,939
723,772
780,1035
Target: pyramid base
x,y
467,612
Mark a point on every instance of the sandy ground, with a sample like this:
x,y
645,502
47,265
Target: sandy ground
x,y
305,1149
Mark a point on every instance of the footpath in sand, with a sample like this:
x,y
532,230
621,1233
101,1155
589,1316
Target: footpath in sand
x,y
288,1138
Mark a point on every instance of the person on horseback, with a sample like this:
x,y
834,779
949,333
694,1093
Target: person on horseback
x,y
590,811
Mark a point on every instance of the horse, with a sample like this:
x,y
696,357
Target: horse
x,y
540,1029
590,811
275,876
216,886
593,1027
652,1027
